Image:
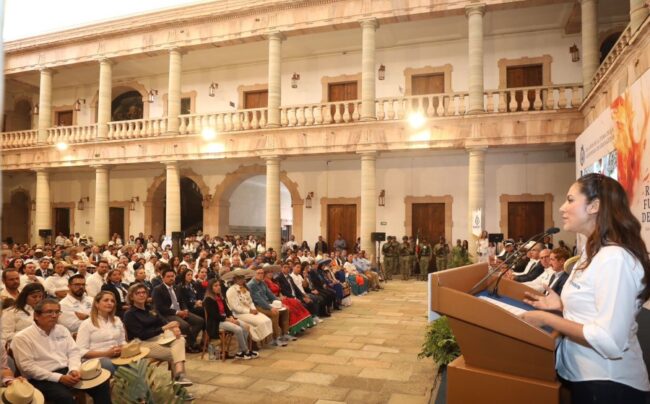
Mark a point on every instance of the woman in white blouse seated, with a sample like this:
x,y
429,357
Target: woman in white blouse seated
x,y
599,358
21,314
102,334
241,303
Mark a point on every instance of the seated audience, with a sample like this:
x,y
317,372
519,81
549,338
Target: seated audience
x,y
264,300
11,282
30,275
290,290
118,289
303,285
141,323
96,281
57,284
76,306
220,318
299,317
241,303
48,357
102,334
187,293
555,276
21,315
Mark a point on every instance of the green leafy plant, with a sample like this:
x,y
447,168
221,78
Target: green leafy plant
x,y
440,343
144,382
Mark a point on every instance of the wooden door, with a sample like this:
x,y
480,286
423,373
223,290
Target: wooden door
x,y
342,219
256,99
344,91
116,222
15,218
64,118
523,76
428,223
525,219
422,84
61,222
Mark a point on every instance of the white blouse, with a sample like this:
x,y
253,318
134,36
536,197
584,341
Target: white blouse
x,y
604,299
239,300
15,320
107,335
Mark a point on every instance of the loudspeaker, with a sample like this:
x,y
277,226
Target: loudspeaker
x,y
45,232
495,237
378,236
178,235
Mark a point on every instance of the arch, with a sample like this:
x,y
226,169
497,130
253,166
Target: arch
x,y
22,114
608,41
119,89
223,192
16,215
153,222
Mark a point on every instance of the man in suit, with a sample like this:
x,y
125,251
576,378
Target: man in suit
x,y
321,246
534,268
289,289
557,281
168,306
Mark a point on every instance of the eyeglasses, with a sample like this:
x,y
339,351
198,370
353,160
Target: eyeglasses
x,y
140,292
50,313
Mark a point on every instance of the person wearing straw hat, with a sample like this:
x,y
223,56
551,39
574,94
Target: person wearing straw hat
x,y
147,326
20,391
48,357
241,303
102,334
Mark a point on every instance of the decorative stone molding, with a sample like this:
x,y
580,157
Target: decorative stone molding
x,y
342,78
409,72
70,205
63,108
243,89
127,216
188,94
223,191
338,201
409,200
505,199
544,60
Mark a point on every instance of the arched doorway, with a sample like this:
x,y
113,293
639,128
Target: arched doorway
x,y
191,206
127,106
21,119
607,45
248,215
16,220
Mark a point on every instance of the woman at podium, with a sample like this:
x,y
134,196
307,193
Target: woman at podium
x,y
599,359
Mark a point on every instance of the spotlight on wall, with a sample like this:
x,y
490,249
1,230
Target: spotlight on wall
x,y
132,202
78,103
35,110
381,201
294,80
416,120
208,134
82,202
575,53
310,196
151,96
62,146
213,88
381,72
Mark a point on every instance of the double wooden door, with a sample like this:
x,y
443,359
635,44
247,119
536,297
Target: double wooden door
x,y
116,222
342,219
345,91
61,221
423,84
523,76
428,224
525,219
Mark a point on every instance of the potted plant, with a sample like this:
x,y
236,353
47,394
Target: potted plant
x,y
440,344
143,382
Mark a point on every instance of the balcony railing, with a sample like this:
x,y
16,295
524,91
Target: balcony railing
x,y
524,99
614,53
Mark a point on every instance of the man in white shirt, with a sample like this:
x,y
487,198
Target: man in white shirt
x,y
48,357
11,281
539,282
96,281
57,284
30,276
75,307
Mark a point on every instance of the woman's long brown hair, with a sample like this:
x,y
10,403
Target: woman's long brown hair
x,y
615,223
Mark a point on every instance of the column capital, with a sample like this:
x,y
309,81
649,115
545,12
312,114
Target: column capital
x,y
476,148
271,158
588,1
46,70
477,8
275,35
368,154
170,163
369,23
176,49
102,60
38,170
100,167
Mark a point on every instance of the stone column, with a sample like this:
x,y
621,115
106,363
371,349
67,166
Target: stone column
x,y
101,229
273,222
174,92
274,93
590,48
173,198
43,214
44,106
368,202
105,97
639,11
475,14
368,28
475,188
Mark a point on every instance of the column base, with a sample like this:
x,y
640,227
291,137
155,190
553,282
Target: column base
x,y
367,118
172,133
272,125
475,112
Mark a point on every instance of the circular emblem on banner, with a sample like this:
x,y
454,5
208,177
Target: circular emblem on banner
x,y
582,155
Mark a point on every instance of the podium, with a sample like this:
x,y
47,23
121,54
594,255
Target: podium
x,y
504,359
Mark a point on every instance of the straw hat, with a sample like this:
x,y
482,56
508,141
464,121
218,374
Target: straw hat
x,y
272,268
246,273
131,352
276,304
92,375
20,391
167,337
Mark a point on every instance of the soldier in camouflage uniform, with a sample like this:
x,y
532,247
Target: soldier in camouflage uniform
x,y
391,257
405,258
441,251
425,256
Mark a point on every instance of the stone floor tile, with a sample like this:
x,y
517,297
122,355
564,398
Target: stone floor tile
x,y
224,368
407,399
234,381
267,385
345,370
370,363
329,359
292,365
200,390
322,379
378,348
320,392
386,374
342,344
359,383
366,397
268,373
356,354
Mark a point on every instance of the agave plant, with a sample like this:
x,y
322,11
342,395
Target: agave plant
x,y
143,382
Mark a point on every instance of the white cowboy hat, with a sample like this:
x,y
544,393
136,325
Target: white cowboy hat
x,y
92,375
20,391
131,352
277,305
166,337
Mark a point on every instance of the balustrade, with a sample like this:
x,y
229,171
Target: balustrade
x,y
19,138
71,134
137,128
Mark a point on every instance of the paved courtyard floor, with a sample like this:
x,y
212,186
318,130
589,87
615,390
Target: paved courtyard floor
x,y
366,353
